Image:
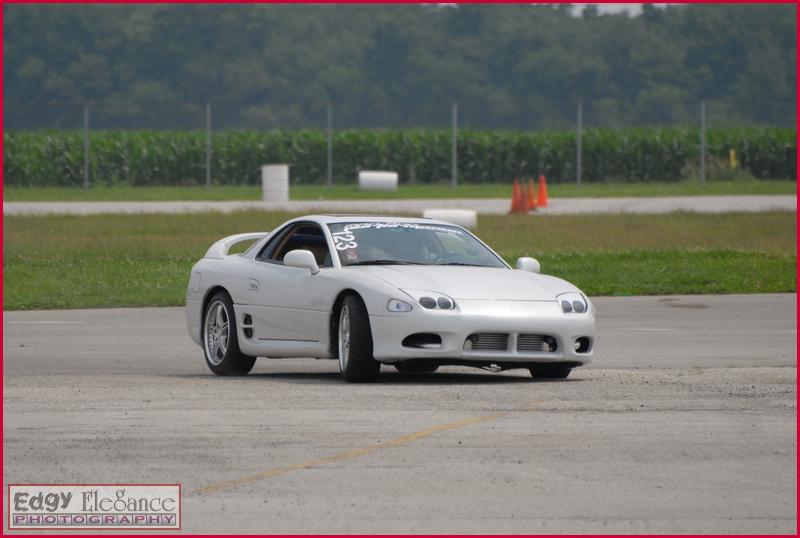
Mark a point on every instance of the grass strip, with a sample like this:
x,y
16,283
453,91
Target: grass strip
x,y
144,260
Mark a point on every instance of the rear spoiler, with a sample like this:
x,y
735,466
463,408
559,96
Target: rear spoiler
x,y
220,249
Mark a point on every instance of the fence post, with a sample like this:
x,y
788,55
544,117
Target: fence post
x,y
579,145
454,156
208,145
702,142
330,146
86,146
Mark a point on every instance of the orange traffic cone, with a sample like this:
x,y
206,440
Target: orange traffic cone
x,y
531,195
516,198
542,199
523,199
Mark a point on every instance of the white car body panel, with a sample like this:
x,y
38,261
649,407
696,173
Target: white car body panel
x,y
291,309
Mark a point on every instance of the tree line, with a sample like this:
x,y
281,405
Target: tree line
x,y
508,67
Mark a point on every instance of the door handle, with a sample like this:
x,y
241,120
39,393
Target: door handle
x,y
253,284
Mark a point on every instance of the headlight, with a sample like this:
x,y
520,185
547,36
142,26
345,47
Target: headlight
x,y
431,300
396,305
572,303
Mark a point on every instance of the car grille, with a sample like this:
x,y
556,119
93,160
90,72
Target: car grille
x,y
525,342
530,342
489,341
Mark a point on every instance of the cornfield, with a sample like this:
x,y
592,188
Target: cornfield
x,y
55,158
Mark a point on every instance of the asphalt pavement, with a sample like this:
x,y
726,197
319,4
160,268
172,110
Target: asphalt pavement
x,y
685,423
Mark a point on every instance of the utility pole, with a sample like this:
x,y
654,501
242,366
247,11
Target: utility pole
x,y
208,145
86,146
330,146
454,156
702,142
578,149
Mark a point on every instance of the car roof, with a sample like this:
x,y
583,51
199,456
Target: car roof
x,y
332,219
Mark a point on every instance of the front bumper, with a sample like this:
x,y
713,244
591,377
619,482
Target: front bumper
x,y
473,316
194,320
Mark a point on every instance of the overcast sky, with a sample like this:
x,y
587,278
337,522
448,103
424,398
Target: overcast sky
x,y
633,9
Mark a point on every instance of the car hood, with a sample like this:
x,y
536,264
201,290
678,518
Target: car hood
x,y
485,283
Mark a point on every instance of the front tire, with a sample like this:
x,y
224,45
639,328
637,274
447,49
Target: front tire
x,y
354,342
220,342
550,372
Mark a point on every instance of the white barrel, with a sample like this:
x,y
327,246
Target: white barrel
x,y
462,217
275,182
377,180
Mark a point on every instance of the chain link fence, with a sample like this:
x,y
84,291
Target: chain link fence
x,y
225,143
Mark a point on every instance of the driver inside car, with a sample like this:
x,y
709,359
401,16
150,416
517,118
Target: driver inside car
x,y
400,247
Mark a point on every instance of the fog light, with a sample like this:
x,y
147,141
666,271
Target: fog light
x,y
468,344
423,340
583,345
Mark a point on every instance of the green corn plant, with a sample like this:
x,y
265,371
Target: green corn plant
x,y
141,158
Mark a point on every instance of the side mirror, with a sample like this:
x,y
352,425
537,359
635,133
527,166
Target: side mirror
x,y
528,264
303,259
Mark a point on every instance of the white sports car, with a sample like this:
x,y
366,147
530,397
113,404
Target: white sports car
x,y
412,293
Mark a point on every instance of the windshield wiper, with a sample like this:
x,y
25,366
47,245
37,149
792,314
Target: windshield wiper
x,y
464,264
385,262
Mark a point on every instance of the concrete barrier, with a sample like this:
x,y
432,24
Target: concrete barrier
x,y
275,183
377,180
462,217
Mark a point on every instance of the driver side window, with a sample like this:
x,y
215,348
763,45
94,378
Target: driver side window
x,y
302,236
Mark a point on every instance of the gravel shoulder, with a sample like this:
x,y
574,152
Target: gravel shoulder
x,y
488,206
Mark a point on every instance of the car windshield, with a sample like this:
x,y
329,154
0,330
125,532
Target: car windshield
x,y
409,243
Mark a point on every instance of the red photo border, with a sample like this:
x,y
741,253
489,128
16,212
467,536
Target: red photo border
x,y
2,59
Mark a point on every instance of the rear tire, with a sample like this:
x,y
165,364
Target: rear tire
x,y
220,341
354,342
550,372
416,367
